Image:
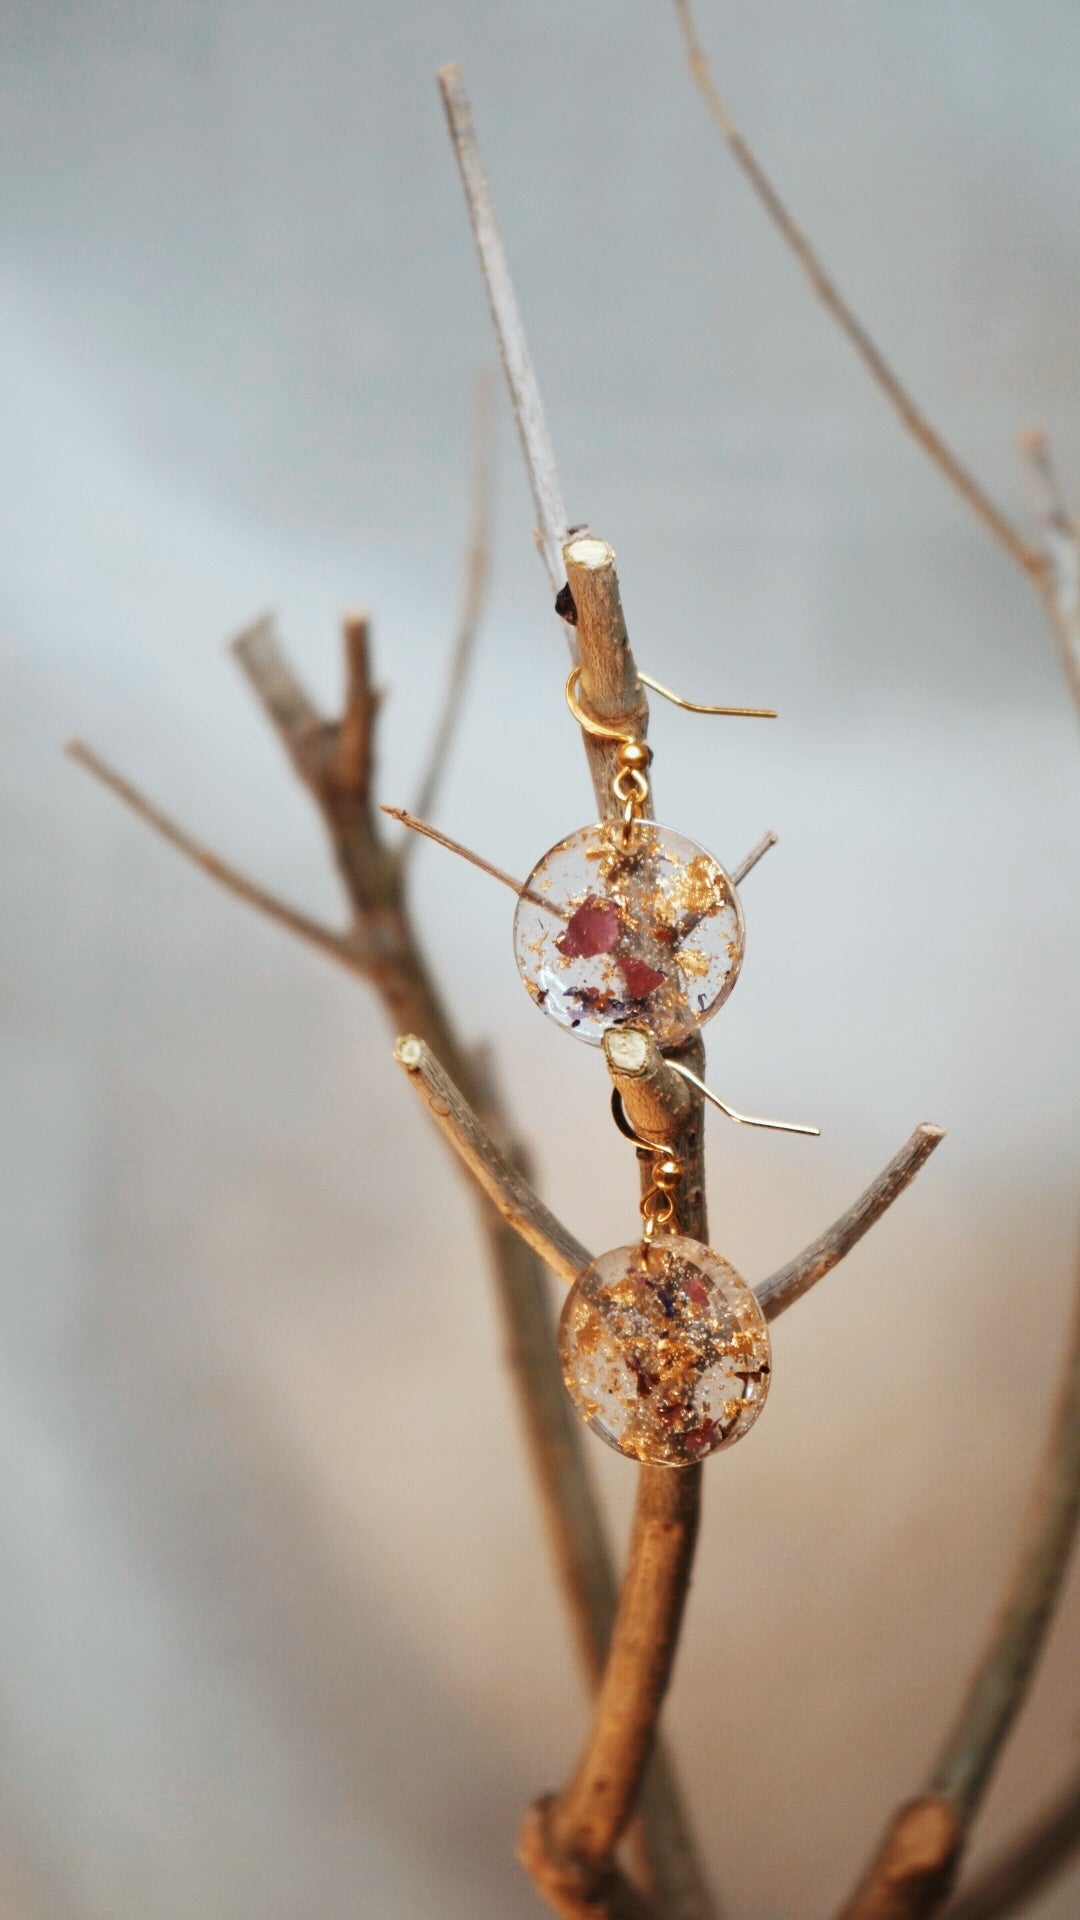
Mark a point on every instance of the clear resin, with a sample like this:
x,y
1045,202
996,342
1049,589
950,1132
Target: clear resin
x,y
646,934
665,1351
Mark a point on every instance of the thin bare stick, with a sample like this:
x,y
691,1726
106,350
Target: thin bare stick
x,y
506,317
912,1874
1001,1678
493,1173
873,360
756,853
346,948
611,689
356,734
465,853
1027,1864
656,1101
474,595
1003,1674
791,1281
1061,553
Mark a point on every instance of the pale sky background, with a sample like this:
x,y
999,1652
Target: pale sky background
x,y
277,1636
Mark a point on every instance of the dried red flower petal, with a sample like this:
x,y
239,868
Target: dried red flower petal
x,y
640,978
701,1437
592,929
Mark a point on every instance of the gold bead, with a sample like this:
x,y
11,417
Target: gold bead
x,y
666,1175
634,753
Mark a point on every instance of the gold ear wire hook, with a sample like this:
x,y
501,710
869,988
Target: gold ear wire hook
x,y
599,731
618,1114
697,706
743,1119
585,720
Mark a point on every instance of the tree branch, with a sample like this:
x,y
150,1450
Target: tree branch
x,y
1060,581
670,1859
750,860
382,947
610,688
506,318
474,595
1015,1875
791,1281
493,1173
1002,1676
346,948
910,416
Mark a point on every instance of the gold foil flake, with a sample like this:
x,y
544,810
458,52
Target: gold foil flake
x,y
693,963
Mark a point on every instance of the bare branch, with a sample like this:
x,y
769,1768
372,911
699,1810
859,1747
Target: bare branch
x,y
1015,1875
477,573
1001,1678
346,948
281,693
1060,581
587,1820
757,853
355,756
610,689
597,1806
513,346
383,949
873,360
667,1857
493,1173
657,1101
791,1281
463,852
913,1871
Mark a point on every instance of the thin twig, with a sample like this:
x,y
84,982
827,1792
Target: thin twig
x,y
873,360
474,594
1003,1674
343,947
429,832
506,317
503,1185
1001,1678
1061,553
912,1873
792,1280
1021,1869
755,854
610,689
356,734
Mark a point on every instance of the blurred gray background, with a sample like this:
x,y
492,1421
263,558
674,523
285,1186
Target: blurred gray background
x,y
277,1635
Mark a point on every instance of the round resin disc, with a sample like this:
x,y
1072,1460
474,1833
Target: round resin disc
x,y
647,935
666,1353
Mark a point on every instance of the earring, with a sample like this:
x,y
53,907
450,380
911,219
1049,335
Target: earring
x,y
664,1348
626,922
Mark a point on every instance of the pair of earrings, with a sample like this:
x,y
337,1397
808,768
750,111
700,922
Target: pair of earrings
x,y
625,923
664,1348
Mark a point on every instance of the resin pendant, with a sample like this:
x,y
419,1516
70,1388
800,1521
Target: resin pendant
x,y
644,931
665,1351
